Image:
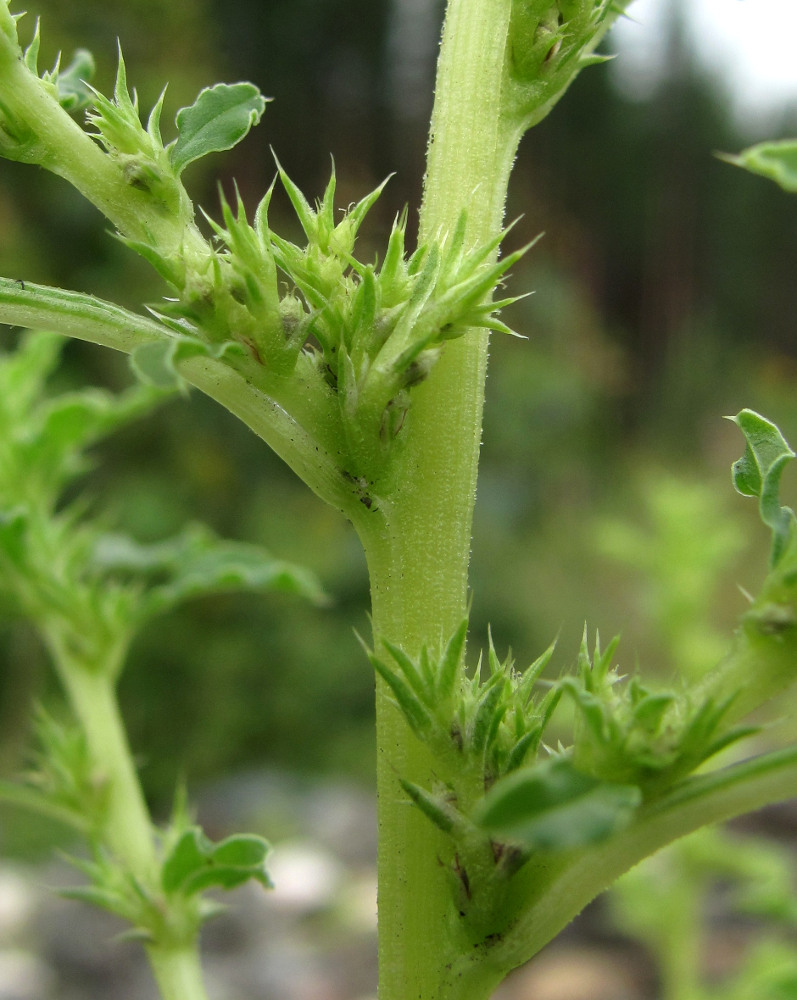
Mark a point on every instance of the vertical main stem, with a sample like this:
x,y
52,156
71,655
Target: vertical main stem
x,y
418,547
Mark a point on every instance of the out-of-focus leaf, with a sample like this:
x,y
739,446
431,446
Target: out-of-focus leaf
x,y
775,160
73,94
196,563
196,863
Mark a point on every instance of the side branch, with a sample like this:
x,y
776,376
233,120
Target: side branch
x,y
552,890
85,317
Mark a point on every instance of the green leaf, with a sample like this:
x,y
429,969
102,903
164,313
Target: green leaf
x,y
196,863
74,421
71,83
13,529
449,669
156,363
196,563
552,806
775,160
217,120
757,474
408,702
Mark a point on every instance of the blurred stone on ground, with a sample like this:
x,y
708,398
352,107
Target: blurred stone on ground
x,y
574,972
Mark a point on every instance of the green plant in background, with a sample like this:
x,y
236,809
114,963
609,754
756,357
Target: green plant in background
x,y
679,549
87,591
756,880
367,378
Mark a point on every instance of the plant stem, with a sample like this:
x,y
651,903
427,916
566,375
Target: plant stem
x,y
551,890
418,547
281,422
91,691
127,829
177,972
59,144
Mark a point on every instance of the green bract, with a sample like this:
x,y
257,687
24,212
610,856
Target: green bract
x,y
757,474
775,160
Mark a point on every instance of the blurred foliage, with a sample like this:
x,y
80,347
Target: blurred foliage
x,y
664,286
724,921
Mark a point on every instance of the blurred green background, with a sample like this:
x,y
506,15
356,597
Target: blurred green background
x,y
665,298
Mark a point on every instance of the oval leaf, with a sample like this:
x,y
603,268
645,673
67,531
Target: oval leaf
x,y
188,856
552,806
217,120
757,474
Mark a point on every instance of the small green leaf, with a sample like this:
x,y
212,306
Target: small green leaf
x,y
156,363
189,855
757,474
552,806
410,705
71,83
196,863
411,673
440,812
775,160
487,718
217,120
449,668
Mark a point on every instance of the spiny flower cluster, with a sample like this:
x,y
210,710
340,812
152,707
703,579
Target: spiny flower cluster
x,y
629,743
550,41
626,731
366,333
363,333
334,340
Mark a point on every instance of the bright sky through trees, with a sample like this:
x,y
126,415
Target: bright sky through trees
x,y
751,44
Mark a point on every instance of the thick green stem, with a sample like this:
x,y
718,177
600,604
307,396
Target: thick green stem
x,y
51,139
418,546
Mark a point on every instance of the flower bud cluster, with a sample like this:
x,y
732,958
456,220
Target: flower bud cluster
x,y
139,150
629,732
501,799
367,333
550,42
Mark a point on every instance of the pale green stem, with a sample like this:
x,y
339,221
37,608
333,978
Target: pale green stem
x,y
61,145
177,972
90,688
551,890
280,421
127,829
679,938
418,547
